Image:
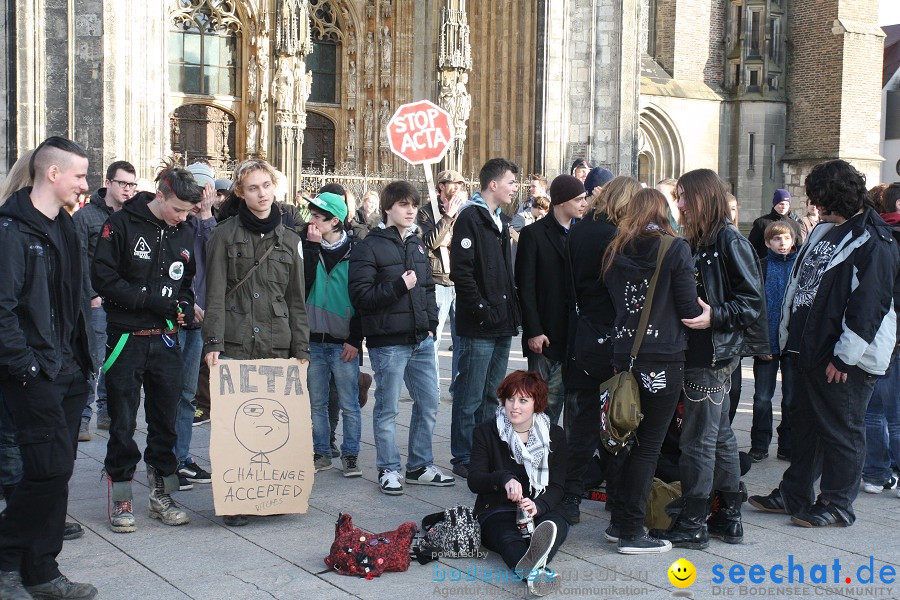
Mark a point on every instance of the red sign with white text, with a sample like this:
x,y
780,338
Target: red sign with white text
x,y
420,132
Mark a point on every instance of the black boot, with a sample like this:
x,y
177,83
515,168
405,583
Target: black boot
x,y
725,522
689,530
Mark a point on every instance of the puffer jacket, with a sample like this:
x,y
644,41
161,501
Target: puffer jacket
x,y
392,315
266,316
732,279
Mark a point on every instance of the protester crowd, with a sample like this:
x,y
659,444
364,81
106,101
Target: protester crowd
x,y
140,294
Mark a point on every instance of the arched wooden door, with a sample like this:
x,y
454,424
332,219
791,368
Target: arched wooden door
x,y
203,131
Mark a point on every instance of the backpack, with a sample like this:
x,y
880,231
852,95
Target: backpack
x,y
357,552
453,533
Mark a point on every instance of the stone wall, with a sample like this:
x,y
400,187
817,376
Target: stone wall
x,y
7,91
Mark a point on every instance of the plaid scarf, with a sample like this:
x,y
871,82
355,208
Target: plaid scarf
x,y
534,454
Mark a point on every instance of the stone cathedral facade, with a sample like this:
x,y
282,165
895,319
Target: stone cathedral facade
x,y
758,90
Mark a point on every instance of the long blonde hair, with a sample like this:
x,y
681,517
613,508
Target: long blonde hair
x,y
615,197
648,207
17,178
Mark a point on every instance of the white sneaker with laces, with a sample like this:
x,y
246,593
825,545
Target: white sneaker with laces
x,y
429,475
871,488
389,481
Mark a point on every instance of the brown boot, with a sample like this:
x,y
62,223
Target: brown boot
x,y
365,382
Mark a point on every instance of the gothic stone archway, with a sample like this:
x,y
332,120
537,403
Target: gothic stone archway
x,y
318,142
203,131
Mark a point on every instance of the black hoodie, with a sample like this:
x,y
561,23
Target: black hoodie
x,y
41,303
138,256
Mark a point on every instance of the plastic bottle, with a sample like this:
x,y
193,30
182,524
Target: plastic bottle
x,y
524,522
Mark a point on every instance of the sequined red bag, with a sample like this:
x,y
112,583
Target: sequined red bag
x,y
364,554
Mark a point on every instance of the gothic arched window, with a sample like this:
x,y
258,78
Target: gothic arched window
x,y
325,61
204,48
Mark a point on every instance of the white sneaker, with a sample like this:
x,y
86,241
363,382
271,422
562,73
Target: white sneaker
x,y
429,475
871,488
389,481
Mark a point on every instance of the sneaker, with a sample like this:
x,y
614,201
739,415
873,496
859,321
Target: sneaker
x,y
612,533
183,484
11,586
162,506
84,430
103,419
62,588
322,463
461,471
535,557
335,451
72,531
389,481
758,455
429,475
891,484
872,488
642,544
784,455
365,382
351,468
570,508
820,515
773,503
544,582
121,520
200,417
194,473
236,520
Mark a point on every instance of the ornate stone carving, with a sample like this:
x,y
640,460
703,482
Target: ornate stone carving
x,y
324,20
215,14
263,120
252,133
351,140
283,86
252,79
368,125
447,97
351,43
351,85
263,59
385,9
455,47
370,59
463,106
386,55
384,117
300,87
370,9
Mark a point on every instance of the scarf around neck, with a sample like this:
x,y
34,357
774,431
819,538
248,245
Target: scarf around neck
x,y
257,225
534,454
331,247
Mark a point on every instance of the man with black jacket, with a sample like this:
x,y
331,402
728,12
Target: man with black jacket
x,y
437,233
45,362
119,187
392,288
838,318
781,211
488,314
143,268
541,265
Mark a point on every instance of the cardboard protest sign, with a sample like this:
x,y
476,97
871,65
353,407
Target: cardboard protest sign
x,y
261,445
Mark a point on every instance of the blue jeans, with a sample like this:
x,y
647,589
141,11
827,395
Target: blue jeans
x,y
98,384
414,366
325,361
551,372
445,295
765,374
10,457
191,342
883,427
482,366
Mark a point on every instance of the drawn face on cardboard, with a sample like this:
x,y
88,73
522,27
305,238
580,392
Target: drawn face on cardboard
x,y
262,425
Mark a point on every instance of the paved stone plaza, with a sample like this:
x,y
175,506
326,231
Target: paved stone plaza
x,y
282,557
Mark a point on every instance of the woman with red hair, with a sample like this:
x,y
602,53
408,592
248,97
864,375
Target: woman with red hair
x,y
519,462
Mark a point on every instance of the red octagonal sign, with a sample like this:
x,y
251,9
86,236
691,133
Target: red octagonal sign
x,y
420,132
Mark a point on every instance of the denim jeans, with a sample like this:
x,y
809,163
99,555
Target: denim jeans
x,y
482,366
829,440
445,295
325,361
635,475
765,374
46,415
414,366
883,427
98,383
10,457
709,452
551,372
149,362
191,341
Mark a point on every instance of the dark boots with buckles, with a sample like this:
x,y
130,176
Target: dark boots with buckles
x,y
725,522
689,529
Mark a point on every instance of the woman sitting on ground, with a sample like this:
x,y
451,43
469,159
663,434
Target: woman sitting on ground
x,y
519,460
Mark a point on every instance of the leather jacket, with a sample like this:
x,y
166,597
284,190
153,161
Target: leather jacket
x,y
731,276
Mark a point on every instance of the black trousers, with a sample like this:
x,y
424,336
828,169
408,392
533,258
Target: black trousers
x,y
660,387
149,362
581,420
46,415
828,440
500,534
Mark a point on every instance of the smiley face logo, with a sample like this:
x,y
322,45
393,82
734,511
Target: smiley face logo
x,y
261,425
682,573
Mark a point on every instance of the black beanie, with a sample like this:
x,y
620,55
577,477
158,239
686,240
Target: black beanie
x,y
564,188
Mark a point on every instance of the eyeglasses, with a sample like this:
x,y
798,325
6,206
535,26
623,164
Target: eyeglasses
x,y
126,185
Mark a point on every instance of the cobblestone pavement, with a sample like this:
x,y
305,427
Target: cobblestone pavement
x,y
282,557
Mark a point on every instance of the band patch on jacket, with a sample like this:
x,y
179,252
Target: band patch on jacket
x,y
142,249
